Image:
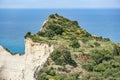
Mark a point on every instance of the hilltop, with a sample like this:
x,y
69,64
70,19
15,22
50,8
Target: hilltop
x,y
77,55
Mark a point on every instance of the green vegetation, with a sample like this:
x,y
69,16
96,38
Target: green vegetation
x,y
75,44
28,34
104,63
106,39
46,76
77,55
62,57
96,44
57,29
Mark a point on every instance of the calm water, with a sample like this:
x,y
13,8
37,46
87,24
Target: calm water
x,y
14,23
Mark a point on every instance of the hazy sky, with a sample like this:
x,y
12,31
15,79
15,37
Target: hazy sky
x,y
59,3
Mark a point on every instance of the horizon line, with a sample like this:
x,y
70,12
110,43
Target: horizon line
x,y
59,8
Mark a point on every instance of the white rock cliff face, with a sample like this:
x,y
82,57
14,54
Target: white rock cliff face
x,y
27,66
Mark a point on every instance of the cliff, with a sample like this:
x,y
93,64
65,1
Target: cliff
x,y
36,56
24,67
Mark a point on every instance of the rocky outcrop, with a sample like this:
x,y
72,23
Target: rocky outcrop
x,y
27,66
36,56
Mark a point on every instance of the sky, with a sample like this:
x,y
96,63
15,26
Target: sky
x,y
59,3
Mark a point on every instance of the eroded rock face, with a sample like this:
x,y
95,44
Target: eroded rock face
x,y
27,66
36,56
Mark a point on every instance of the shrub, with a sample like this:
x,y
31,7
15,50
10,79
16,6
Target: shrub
x,y
89,65
96,44
99,38
97,55
50,34
116,50
60,77
62,57
40,33
91,45
74,22
74,76
36,38
56,28
51,71
78,32
111,72
99,68
105,62
28,34
85,39
52,16
106,39
73,38
43,77
117,74
75,44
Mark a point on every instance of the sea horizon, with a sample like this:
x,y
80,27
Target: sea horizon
x,y
15,23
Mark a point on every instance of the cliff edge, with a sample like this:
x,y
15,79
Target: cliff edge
x,y
27,66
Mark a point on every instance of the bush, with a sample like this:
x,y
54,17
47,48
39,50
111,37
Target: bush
x,y
99,68
73,38
40,33
105,62
74,76
43,77
96,44
85,39
51,71
62,57
116,50
56,28
60,77
117,74
75,44
78,32
88,66
50,34
97,55
75,23
99,38
28,34
52,16
106,39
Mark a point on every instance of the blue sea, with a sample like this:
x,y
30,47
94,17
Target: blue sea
x,y
14,23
